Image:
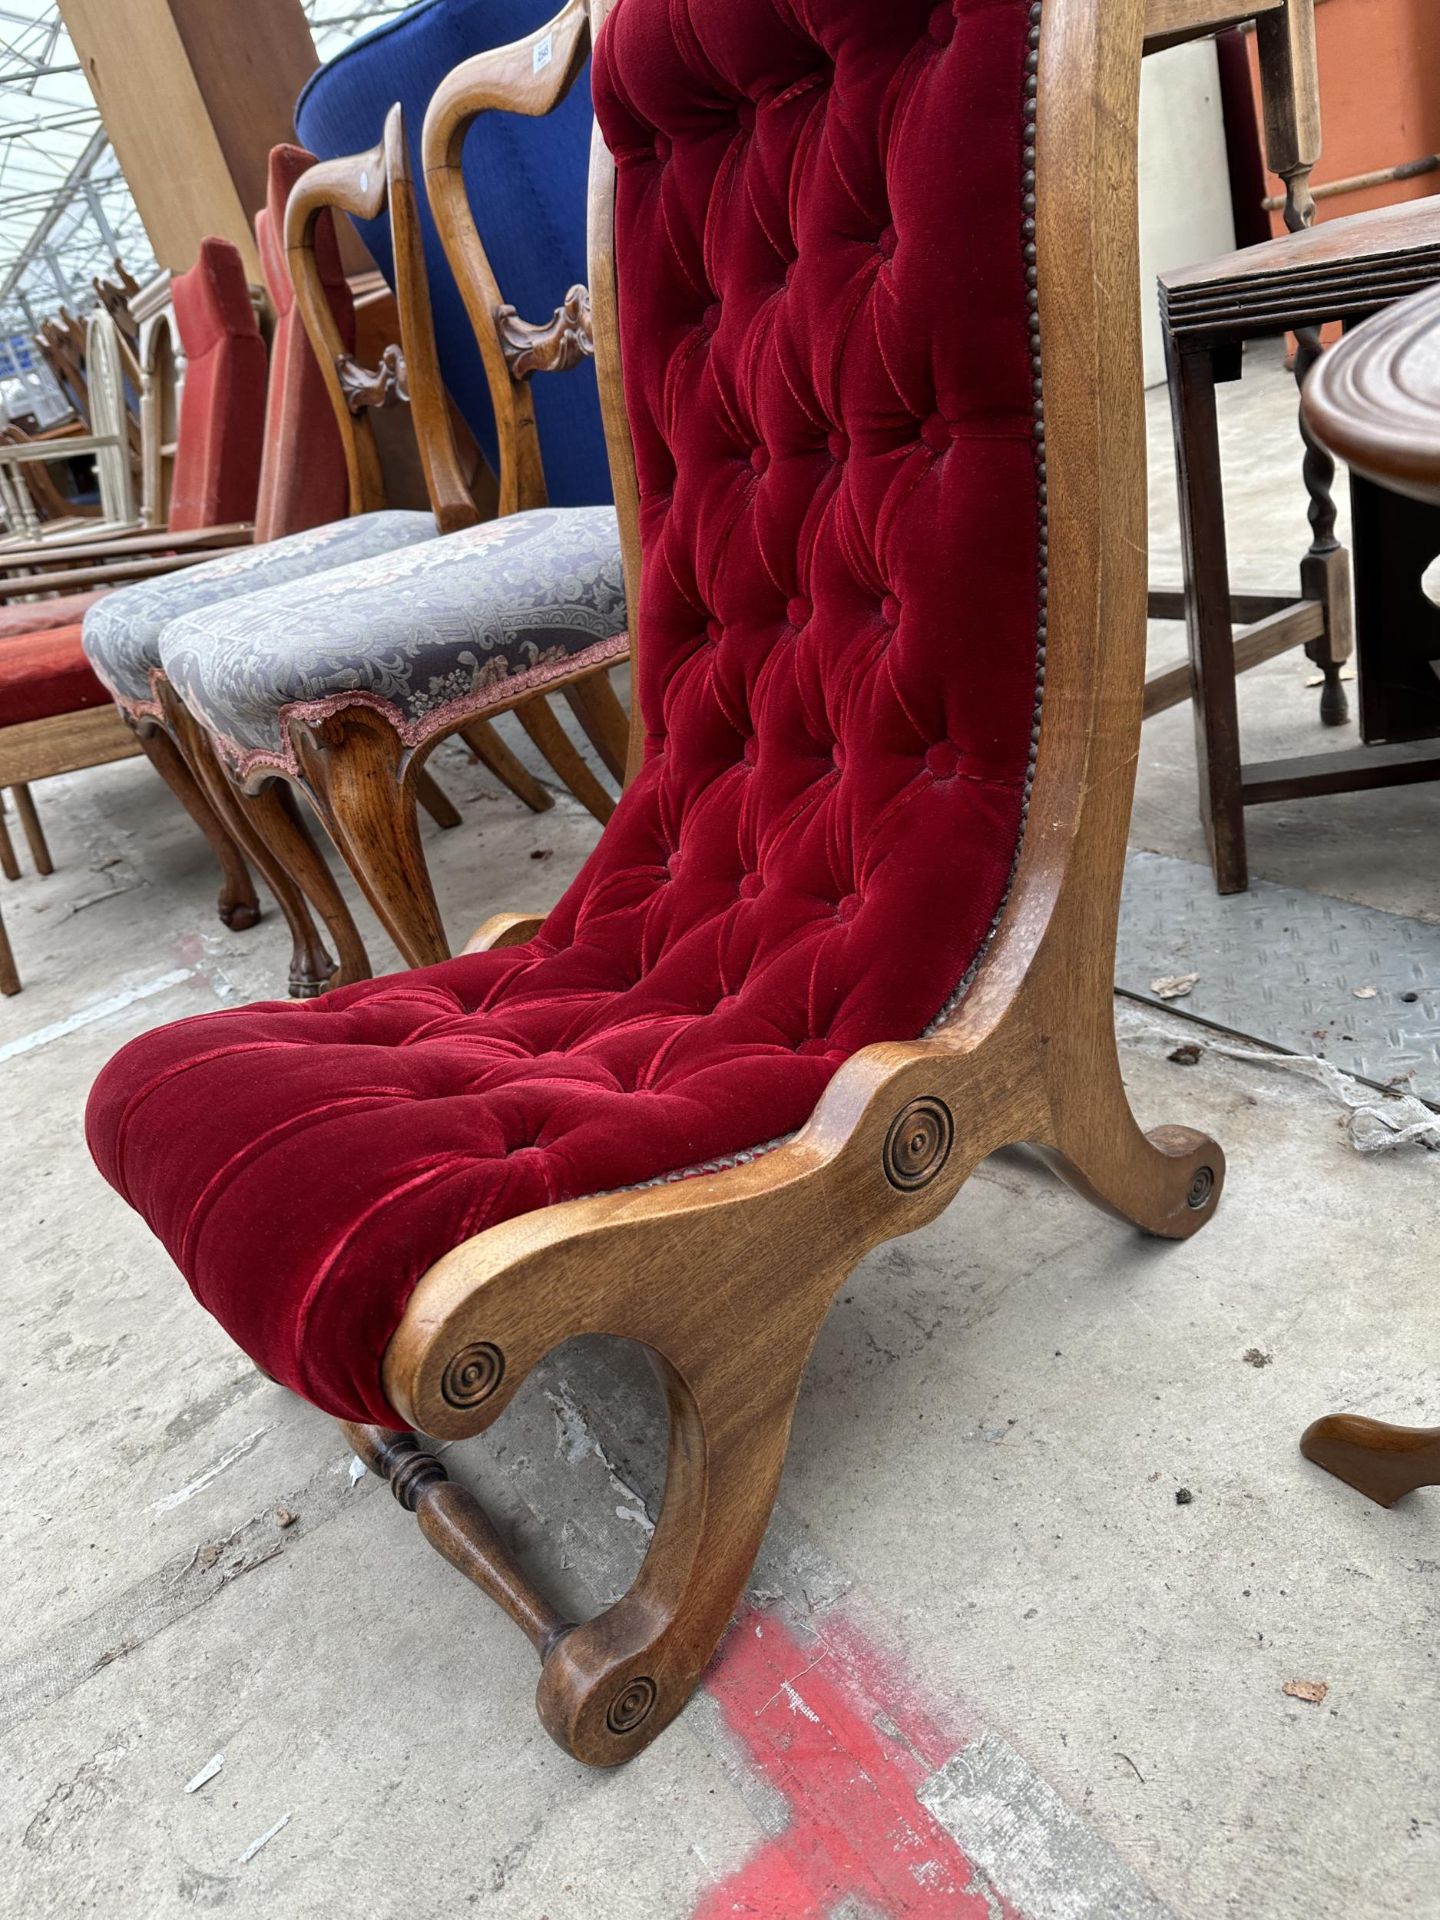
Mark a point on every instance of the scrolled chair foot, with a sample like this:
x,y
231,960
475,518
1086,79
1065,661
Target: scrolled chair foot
x,y
1382,1461
1167,1182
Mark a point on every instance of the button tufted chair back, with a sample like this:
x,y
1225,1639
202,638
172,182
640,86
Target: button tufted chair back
x,y
821,243
222,406
303,480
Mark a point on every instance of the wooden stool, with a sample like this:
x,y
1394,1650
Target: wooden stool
x,y
1343,271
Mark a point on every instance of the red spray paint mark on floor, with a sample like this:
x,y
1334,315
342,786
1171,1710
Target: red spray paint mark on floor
x,y
839,1734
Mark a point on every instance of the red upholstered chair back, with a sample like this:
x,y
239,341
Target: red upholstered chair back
x,y
821,249
303,481
222,408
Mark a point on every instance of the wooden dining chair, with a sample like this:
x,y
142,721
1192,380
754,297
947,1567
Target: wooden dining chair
x,y
305,521
346,695
852,926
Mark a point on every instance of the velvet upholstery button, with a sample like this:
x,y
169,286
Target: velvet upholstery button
x,y
839,446
798,611
890,610
760,459
750,885
936,433
942,25
943,759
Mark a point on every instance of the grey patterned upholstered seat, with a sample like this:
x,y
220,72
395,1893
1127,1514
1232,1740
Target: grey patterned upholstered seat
x,y
427,636
122,631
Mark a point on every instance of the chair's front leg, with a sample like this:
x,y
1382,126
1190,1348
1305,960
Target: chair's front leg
x,y
311,968
274,814
238,907
362,781
610,1686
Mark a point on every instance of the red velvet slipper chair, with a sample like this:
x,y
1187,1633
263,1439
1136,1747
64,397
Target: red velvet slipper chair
x,y
851,927
301,498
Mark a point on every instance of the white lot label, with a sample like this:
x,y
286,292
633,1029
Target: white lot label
x,y
542,54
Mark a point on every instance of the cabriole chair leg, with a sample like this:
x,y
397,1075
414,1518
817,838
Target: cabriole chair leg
x,y
362,781
311,968
239,908
276,819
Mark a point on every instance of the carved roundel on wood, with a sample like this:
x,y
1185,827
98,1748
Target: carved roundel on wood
x,y
918,1143
631,1705
472,1375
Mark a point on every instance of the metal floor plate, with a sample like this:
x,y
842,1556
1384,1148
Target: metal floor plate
x,y
1283,965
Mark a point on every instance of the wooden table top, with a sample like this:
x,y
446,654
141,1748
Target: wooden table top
x,y
1374,398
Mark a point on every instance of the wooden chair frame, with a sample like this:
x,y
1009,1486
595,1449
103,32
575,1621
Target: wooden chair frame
x,y
1028,1055
108,440
361,778
34,750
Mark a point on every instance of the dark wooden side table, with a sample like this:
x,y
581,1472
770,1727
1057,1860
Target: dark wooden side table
x,y
1375,401
1346,270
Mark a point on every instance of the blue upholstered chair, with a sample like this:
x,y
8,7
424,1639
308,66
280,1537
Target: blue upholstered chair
x,y
526,181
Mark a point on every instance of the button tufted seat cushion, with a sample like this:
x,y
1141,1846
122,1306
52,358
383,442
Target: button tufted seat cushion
x,y
428,635
122,631
828,364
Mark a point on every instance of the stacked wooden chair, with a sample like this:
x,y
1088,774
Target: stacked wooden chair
x,y
852,925
345,696
305,521
55,714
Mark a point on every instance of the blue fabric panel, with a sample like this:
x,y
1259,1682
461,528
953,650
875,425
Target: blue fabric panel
x,y
527,184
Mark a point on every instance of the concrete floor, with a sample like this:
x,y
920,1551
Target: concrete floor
x,y
989,1666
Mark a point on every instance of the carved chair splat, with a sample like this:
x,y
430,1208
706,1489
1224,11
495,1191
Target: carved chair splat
x,y
513,349
721,1254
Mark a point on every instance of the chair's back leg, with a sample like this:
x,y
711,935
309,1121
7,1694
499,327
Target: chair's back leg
x,y
493,754
311,968
539,721
34,832
596,705
238,906
9,972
